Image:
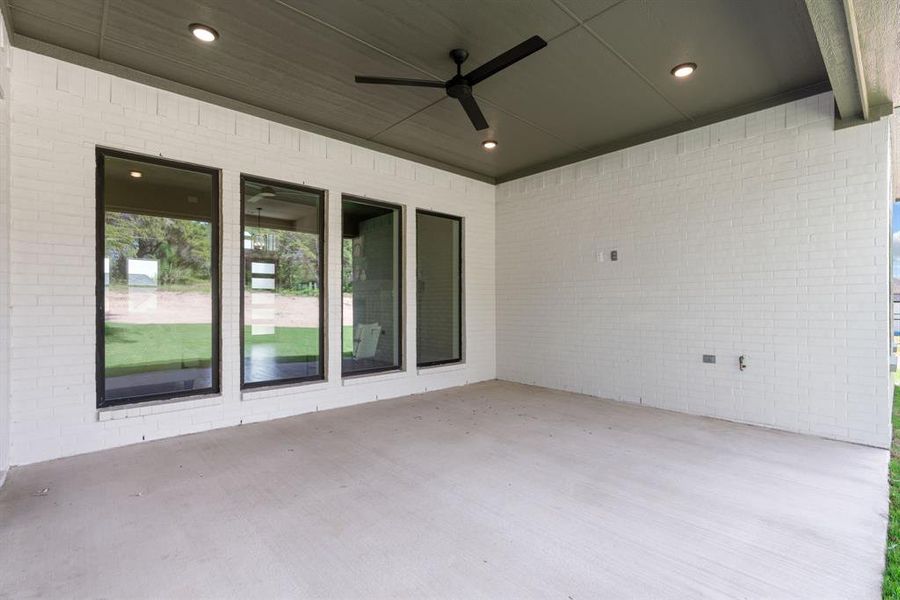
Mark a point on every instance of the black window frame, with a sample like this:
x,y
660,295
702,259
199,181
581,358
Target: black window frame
x,y
401,313
460,291
323,292
102,153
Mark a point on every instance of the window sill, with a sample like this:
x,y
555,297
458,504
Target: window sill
x,y
143,409
279,391
437,369
364,378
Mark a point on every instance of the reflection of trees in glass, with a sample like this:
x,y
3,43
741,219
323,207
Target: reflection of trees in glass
x,y
347,266
297,262
181,246
296,258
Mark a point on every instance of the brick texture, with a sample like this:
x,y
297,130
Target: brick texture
x,y
59,113
4,249
766,236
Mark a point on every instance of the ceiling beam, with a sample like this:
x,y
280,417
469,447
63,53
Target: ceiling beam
x,y
853,33
832,32
859,58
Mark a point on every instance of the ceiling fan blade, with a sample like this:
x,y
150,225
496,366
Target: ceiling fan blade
x,y
511,56
475,114
400,81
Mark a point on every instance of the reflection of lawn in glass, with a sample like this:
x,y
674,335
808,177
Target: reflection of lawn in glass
x,y
138,348
291,343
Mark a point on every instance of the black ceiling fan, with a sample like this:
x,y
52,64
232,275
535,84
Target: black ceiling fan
x,y
460,86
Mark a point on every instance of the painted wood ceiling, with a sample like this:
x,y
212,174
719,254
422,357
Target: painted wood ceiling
x,y
603,81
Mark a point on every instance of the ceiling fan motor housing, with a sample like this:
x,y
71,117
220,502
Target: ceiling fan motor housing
x,y
458,88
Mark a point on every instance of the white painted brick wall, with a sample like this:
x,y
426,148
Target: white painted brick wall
x,y
59,113
4,249
766,235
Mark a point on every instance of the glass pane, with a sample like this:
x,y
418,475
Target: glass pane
x,y
158,280
438,280
282,299
371,287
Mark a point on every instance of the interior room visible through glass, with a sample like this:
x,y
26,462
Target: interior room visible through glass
x,y
370,286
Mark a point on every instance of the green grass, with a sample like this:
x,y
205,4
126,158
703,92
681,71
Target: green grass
x,y
292,343
891,585
132,348
289,343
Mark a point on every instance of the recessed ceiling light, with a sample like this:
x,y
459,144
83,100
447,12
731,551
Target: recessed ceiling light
x,y
136,174
489,144
684,69
204,33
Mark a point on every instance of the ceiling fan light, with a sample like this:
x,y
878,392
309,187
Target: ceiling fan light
x,y
684,69
204,33
489,144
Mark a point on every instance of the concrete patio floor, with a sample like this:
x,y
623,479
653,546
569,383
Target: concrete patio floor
x,y
490,490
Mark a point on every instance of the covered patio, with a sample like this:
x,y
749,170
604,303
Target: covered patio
x,y
488,490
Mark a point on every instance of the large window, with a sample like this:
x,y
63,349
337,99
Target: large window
x,y
282,290
438,288
157,279
371,286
